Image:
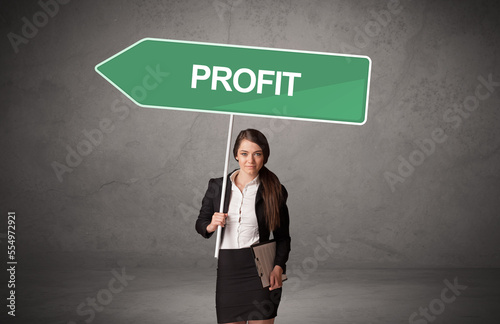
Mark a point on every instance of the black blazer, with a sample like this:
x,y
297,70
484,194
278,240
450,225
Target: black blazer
x,y
211,203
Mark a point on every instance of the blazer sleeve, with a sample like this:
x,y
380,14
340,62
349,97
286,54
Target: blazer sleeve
x,y
206,211
282,234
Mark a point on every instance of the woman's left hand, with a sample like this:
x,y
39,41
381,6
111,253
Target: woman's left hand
x,y
275,277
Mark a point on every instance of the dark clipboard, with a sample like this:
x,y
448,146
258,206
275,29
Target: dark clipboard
x,y
263,255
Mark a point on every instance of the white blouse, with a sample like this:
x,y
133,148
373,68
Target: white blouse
x,y
241,229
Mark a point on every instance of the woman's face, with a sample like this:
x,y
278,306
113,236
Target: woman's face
x,y
250,158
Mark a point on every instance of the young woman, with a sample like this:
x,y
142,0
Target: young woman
x,y
255,206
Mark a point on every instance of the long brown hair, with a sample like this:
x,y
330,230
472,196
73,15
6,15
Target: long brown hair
x,y
271,193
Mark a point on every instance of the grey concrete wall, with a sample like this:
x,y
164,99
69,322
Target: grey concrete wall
x,y
133,199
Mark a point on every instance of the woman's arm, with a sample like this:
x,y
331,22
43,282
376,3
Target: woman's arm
x,y
282,234
206,211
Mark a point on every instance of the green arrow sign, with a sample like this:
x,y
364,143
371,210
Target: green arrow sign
x,y
242,80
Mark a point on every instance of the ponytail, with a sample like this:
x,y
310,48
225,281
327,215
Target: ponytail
x,y
272,196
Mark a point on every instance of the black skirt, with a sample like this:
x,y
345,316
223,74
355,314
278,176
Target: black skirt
x,y
239,295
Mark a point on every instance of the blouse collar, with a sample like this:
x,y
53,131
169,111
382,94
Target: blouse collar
x,y
254,181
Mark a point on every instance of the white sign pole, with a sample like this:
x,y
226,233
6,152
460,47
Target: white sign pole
x,y
224,181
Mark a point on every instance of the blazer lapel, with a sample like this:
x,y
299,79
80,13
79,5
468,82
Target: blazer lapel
x,y
258,197
259,208
228,195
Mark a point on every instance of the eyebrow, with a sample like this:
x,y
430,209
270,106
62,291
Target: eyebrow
x,y
247,151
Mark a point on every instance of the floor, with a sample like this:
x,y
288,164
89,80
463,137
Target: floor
x,y
369,296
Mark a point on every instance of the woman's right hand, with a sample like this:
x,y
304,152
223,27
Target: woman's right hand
x,y
217,219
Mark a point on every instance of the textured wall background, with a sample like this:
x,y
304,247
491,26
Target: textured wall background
x,y
133,199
